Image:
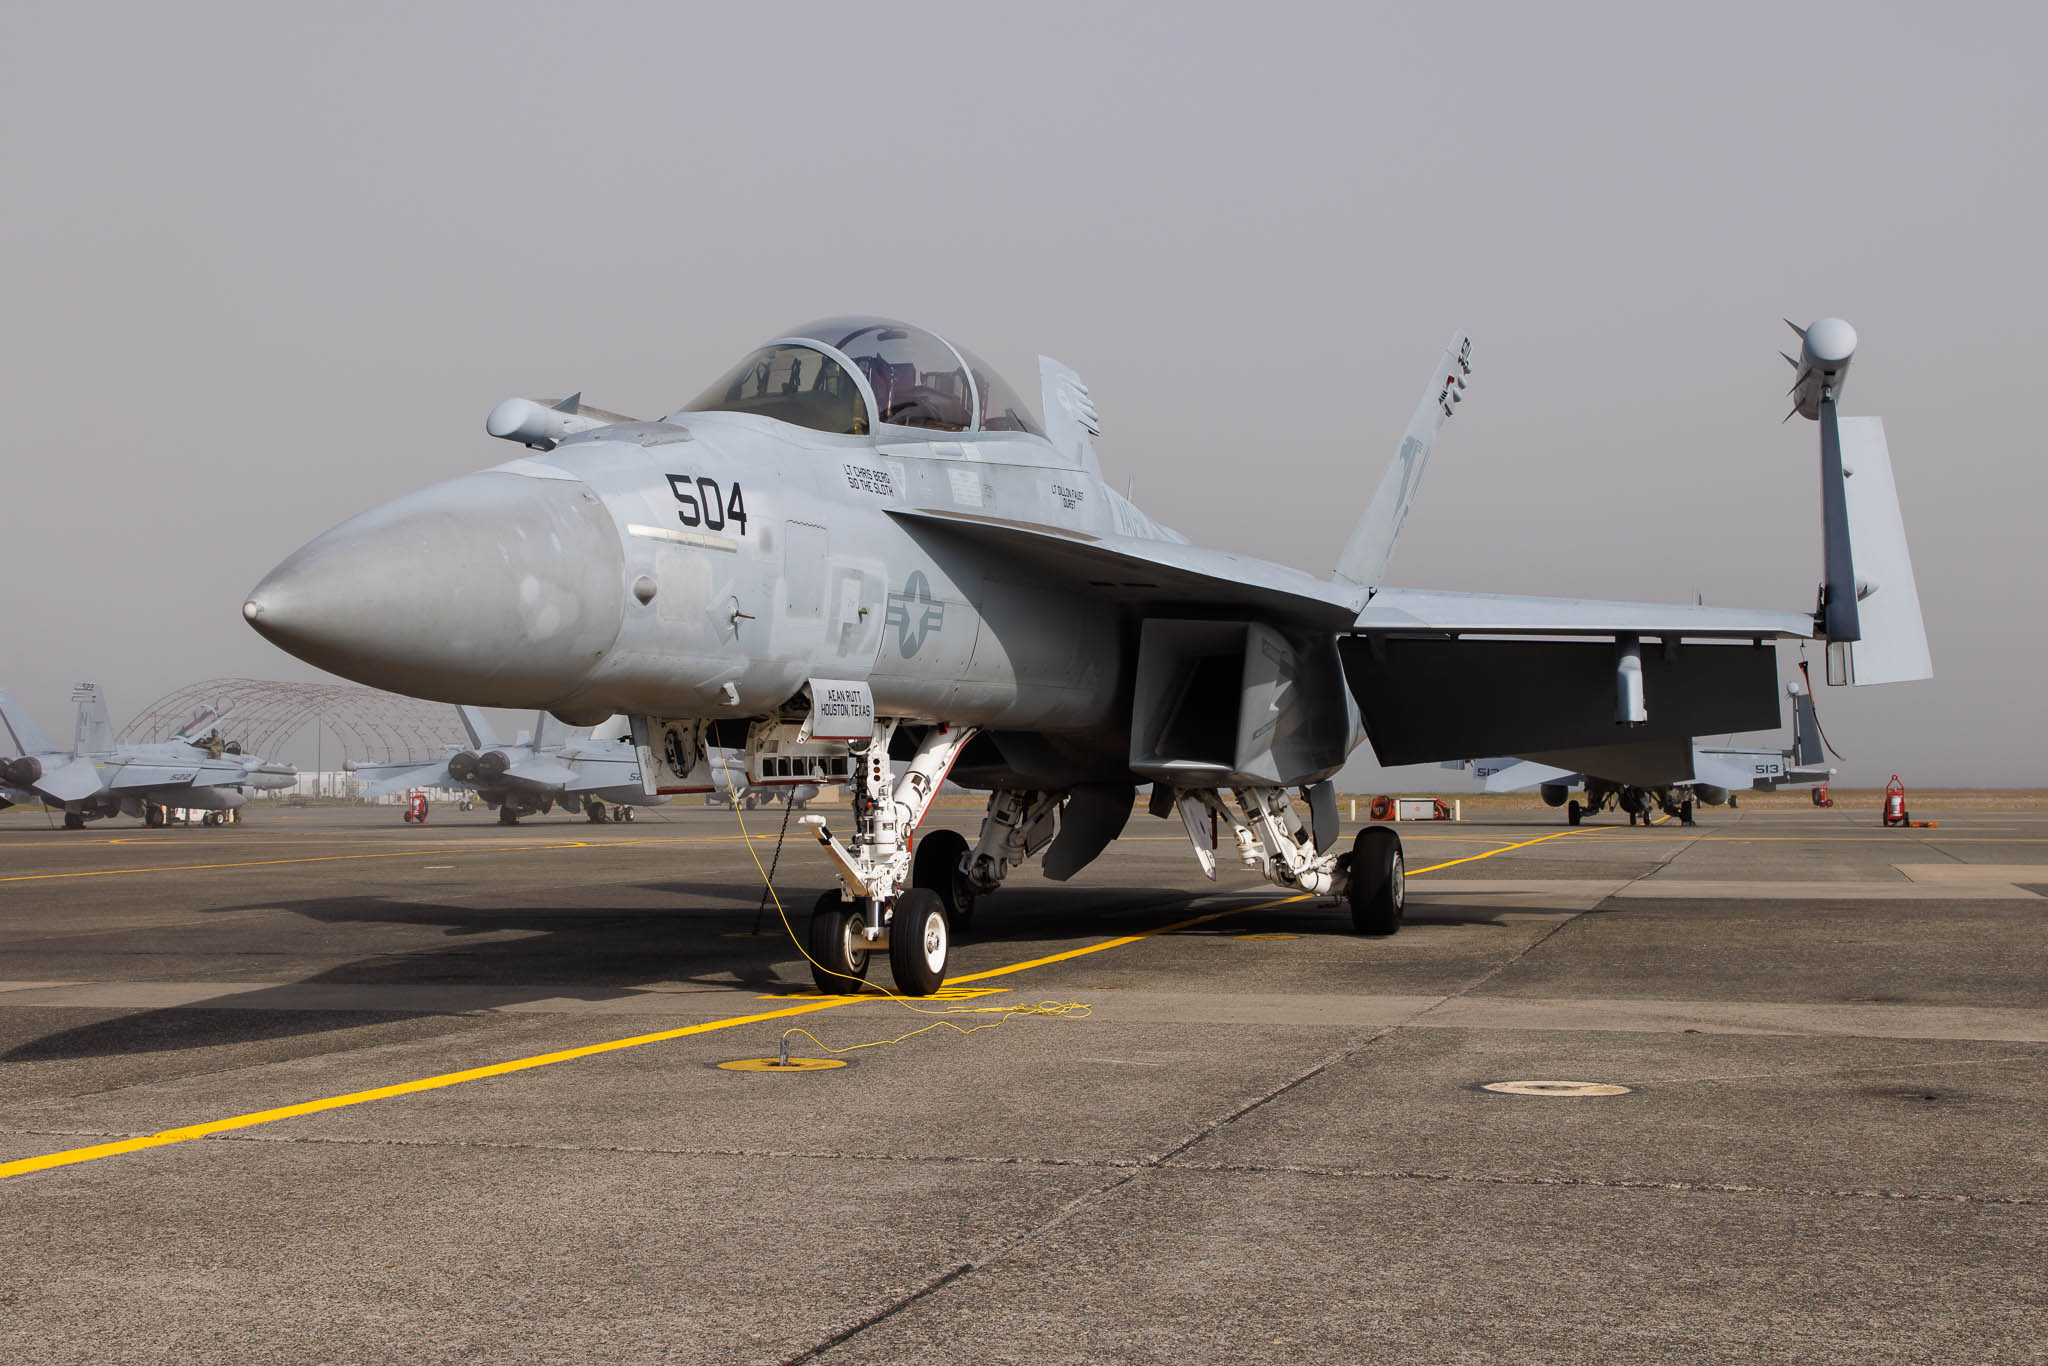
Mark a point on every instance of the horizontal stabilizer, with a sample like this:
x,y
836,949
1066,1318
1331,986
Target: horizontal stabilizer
x,y
72,782
384,779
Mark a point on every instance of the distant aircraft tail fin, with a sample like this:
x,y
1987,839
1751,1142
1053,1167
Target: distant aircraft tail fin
x,y
478,727
28,736
1365,557
550,733
93,735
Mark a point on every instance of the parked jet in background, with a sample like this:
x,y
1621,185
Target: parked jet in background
x,y
859,558
97,778
551,765
1644,779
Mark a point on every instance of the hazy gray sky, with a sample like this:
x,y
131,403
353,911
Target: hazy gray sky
x,y
268,265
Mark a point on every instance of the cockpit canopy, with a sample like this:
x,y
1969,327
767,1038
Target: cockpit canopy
x,y
851,375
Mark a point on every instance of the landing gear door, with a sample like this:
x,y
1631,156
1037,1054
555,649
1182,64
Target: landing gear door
x,y
671,753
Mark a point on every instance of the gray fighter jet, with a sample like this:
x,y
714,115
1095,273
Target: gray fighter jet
x,y
858,557
97,778
552,765
1642,780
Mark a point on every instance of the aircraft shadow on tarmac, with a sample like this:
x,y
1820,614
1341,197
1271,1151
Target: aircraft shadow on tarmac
x,y
497,957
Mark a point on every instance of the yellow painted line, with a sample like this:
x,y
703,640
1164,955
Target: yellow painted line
x,y
1122,940
74,1156
312,1107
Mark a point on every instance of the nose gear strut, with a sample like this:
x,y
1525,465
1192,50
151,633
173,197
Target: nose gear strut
x,y
874,863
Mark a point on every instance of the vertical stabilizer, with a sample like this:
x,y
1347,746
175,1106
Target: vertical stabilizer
x,y
549,733
1365,557
28,736
1070,421
1889,640
93,735
1806,749
478,728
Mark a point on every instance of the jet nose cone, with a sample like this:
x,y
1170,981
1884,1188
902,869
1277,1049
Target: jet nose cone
x,y
493,589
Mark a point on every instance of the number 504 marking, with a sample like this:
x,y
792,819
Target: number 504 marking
x,y
699,503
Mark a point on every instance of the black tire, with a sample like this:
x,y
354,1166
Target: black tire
x,y
1379,881
1574,813
74,820
152,815
625,813
507,816
1685,813
1733,801
837,967
937,866
596,813
920,942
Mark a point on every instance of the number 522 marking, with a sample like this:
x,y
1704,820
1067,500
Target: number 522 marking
x,y
699,503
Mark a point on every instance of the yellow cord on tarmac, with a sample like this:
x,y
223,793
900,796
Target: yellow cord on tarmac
x,y
1058,1010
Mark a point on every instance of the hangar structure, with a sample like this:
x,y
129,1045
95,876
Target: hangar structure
x,y
262,715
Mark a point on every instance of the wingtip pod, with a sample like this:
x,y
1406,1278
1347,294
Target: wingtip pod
x,y
1825,349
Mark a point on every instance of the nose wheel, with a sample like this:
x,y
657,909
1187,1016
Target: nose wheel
x,y
919,942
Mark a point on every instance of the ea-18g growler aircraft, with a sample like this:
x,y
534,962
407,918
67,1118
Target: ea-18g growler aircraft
x,y
858,556
97,778
551,765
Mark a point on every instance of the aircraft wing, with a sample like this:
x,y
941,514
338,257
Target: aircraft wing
x,y
1518,775
1499,614
384,779
1156,573
1737,769
542,771
596,772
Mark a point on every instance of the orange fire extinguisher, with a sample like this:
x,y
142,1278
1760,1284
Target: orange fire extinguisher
x,y
1895,803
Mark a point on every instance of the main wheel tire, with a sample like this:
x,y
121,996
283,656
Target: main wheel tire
x,y
595,812
74,820
1733,801
937,866
1379,881
919,942
1685,813
839,958
507,816
1574,813
152,815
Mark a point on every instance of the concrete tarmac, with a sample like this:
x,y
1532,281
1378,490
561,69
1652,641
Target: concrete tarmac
x,y
326,1088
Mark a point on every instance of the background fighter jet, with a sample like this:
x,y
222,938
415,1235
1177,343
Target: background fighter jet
x,y
1644,779
858,557
97,778
551,765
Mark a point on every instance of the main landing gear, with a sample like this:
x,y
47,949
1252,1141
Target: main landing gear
x,y
892,898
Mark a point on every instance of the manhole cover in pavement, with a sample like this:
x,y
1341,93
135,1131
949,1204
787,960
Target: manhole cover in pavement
x,y
1567,1089
777,1065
